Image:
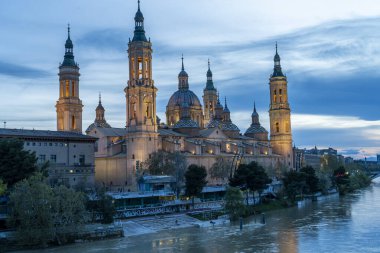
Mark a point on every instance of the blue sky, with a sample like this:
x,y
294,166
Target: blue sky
x,y
330,52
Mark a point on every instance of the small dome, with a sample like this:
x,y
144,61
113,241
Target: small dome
x,y
184,96
254,129
229,126
186,123
183,73
139,16
69,43
100,107
102,124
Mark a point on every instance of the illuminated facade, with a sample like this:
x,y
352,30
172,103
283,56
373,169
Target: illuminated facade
x,y
200,133
279,114
69,106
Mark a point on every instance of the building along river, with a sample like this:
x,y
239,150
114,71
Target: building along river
x,y
338,224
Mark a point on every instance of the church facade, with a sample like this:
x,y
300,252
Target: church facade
x,y
200,132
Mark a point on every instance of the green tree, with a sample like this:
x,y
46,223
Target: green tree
x,y
234,205
172,164
259,179
294,184
3,187
250,177
311,179
41,214
105,206
160,163
220,169
15,162
342,180
31,202
195,180
69,211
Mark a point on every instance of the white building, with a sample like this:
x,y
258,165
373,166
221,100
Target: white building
x,y
70,154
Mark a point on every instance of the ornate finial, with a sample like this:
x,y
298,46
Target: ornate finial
x,y
254,106
138,3
68,30
225,101
209,64
183,68
276,47
100,97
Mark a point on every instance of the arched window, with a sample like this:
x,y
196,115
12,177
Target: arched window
x,y
73,88
275,96
73,123
67,92
277,127
133,110
280,91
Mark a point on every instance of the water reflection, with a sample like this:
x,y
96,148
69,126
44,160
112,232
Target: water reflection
x,y
350,224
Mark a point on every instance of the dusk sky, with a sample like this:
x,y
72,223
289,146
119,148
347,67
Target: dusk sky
x,y
330,52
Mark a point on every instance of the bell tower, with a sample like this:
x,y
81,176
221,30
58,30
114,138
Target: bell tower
x,y
210,98
69,106
141,123
279,114
140,92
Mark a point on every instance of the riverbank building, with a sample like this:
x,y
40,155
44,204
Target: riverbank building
x,y
202,131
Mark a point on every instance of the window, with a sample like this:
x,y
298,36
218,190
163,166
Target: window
x,y
73,123
53,158
73,88
50,144
275,96
67,93
41,158
150,138
277,127
27,144
81,159
150,156
133,156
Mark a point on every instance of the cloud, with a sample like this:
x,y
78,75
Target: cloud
x,y
20,71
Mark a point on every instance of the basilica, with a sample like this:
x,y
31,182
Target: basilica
x,y
201,130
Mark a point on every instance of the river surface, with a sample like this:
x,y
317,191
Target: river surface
x,y
348,224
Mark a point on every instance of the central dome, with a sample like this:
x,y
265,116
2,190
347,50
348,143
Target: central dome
x,y
183,96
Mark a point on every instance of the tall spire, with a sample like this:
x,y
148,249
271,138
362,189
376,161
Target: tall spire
x,y
183,78
100,97
225,105
139,34
183,68
209,83
69,52
277,71
255,115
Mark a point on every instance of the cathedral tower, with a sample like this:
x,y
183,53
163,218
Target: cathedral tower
x,y
210,97
279,114
142,135
69,106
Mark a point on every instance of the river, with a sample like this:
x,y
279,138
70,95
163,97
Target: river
x,y
348,224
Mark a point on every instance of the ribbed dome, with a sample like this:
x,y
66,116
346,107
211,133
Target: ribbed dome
x,y
184,96
100,124
254,129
